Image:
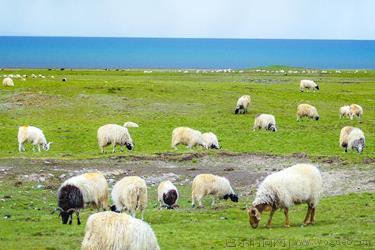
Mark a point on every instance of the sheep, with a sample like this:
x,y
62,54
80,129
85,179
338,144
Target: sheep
x,y
355,110
352,138
109,230
242,104
308,84
307,110
8,82
187,136
32,135
116,135
344,111
300,183
167,195
209,184
79,191
265,121
130,193
211,140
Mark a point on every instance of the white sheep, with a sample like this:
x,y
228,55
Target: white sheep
x,y
352,138
344,111
33,135
130,193
110,230
266,122
301,183
308,84
187,136
8,82
355,110
116,135
167,195
242,104
211,140
80,191
307,110
209,184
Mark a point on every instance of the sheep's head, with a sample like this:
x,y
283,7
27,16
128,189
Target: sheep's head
x,y
214,146
237,110
46,146
129,145
65,214
272,127
316,117
359,145
254,217
317,87
232,197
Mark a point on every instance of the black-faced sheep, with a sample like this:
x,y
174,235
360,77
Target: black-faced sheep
x,y
301,183
209,184
187,136
167,195
77,192
352,138
242,104
266,122
307,110
211,140
116,135
308,84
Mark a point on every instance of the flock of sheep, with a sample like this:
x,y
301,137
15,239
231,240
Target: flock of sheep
x,y
301,183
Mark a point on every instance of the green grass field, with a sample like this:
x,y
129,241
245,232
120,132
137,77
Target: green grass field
x,y
71,112
343,222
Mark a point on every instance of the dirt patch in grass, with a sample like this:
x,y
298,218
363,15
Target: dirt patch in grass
x,y
34,99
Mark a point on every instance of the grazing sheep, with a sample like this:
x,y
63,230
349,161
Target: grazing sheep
x,y
265,121
242,104
130,193
355,110
8,82
109,230
167,195
116,135
352,138
307,110
308,84
211,140
32,135
81,190
209,184
301,183
344,111
187,136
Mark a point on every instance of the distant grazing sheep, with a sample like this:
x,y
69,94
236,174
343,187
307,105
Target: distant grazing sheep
x,y
81,190
242,104
8,82
301,183
344,111
211,140
109,230
130,193
33,135
307,110
187,136
167,195
355,110
209,184
116,135
352,138
266,122
308,84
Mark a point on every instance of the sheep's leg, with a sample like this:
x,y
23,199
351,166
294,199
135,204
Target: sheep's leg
x,y
286,211
20,147
213,202
270,218
114,148
122,148
200,201
70,219
143,211
33,148
312,216
307,217
192,201
78,220
38,148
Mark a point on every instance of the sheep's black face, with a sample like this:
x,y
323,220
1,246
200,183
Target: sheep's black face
x,y
65,216
359,145
317,118
237,110
317,87
129,146
213,146
233,197
114,209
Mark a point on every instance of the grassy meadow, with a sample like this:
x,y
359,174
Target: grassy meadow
x,y
70,112
339,224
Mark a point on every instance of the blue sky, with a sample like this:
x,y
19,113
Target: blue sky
x,y
309,19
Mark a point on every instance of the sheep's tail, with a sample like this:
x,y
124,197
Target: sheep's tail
x,y
131,125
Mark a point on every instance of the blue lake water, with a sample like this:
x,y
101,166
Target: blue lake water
x,y
79,52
